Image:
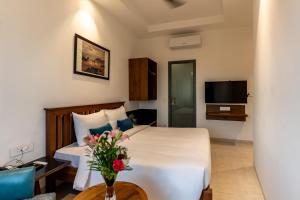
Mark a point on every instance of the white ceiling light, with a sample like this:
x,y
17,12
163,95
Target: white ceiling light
x,y
175,3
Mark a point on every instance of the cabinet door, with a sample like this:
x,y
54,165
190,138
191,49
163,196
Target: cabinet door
x,y
152,80
138,79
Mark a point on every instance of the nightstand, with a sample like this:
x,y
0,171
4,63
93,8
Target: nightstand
x,y
49,171
143,116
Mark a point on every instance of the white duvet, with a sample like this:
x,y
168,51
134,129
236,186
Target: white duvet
x,y
168,163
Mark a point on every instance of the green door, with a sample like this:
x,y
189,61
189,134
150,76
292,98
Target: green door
x,y
182,93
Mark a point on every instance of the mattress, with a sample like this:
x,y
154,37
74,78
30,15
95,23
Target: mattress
x,y
172,148
73,152
168,163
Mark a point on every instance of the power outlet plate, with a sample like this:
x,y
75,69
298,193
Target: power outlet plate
x,y
17,151
225,108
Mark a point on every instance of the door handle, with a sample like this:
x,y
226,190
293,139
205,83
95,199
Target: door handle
x,y
173,102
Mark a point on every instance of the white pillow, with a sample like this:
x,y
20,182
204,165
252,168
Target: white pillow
x,y
114,115
82,124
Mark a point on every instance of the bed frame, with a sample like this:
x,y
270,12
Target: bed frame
x,y
60,132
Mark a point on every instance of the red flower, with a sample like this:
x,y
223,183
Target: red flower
x,y
118,165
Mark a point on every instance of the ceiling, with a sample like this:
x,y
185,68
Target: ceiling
x,y
155,17
158,11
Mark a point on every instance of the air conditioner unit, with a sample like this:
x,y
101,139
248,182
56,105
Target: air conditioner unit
x,y
185,41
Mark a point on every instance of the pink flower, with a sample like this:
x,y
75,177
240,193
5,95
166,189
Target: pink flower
x,y
113,133
118,165
124,137
92,139
96,137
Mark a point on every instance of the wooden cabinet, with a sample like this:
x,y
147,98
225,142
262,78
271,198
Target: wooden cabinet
x,y
142,79
234,113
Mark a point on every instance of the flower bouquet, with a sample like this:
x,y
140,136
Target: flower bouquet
x,y
108,157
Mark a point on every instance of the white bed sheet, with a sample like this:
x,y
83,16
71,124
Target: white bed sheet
x,y
168,163
72,153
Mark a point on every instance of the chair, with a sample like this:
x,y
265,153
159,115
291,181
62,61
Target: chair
x,y
19,184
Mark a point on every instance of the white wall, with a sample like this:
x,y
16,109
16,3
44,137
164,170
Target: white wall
x,y
277,98
36,39
225,55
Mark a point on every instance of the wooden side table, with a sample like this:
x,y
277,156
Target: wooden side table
x,y
124,191
48,172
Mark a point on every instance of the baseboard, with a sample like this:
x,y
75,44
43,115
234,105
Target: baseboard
x,y
230,141
262,190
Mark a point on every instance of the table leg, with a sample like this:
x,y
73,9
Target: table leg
x,y
37,188
50,184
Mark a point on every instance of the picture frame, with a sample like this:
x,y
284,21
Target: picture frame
x,y
91,59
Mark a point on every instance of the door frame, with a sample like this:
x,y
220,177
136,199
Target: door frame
x,y
169,89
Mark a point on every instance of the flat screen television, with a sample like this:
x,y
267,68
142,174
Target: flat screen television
x,y
226,92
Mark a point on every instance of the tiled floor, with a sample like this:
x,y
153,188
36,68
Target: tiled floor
x,y
233,175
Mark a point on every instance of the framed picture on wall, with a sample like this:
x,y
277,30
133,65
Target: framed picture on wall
x,y
91,59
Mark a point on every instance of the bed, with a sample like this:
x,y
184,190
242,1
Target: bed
x,y
165,160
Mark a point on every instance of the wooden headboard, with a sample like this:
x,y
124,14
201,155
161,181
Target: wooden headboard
x,y
59,124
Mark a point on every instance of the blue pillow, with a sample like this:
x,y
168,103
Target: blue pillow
x,y
17,183
125,124
101,129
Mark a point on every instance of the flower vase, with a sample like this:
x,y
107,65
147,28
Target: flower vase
x,y
110,190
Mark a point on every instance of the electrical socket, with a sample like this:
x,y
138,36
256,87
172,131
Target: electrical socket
x,y
17,151
225,108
